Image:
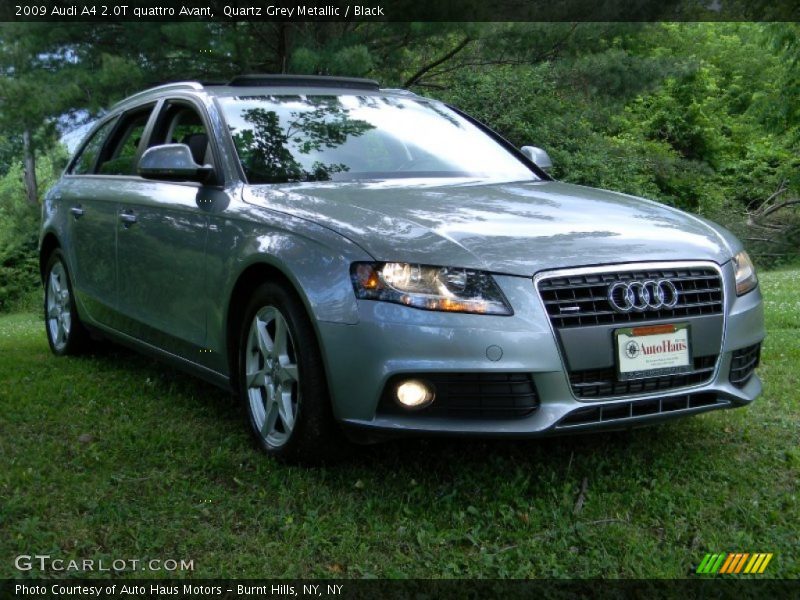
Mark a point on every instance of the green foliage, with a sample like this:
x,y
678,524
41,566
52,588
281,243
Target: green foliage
x,y
784,39
353,61
304,61
682,113
19,228
9,151
19,274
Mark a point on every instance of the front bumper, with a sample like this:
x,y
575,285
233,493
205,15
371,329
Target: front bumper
x,y
391,339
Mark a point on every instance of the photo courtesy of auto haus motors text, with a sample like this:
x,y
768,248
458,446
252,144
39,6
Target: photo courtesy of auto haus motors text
x,y
169,590
343,299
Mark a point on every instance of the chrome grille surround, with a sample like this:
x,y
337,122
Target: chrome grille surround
x,y
604,275
699,293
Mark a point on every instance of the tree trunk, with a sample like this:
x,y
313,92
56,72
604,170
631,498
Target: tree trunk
x,y
283,51
29,168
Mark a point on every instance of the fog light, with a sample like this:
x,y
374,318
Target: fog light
x,y
414,394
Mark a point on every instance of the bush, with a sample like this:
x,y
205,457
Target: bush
x,y
19,232
19,275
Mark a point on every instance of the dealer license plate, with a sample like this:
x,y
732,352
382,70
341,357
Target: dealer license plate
x,y
653,351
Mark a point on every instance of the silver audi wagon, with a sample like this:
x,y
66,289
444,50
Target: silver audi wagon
x,y
358,263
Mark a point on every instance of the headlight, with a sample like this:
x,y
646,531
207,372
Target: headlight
x,y
431,288
746,279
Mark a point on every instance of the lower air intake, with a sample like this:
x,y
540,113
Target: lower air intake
x,y
625,411
743,364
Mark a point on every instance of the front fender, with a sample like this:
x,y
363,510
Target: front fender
x,y
314,259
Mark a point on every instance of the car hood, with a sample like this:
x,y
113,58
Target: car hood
x,y
512,228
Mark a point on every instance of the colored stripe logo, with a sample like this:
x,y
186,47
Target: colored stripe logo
x,y
734,562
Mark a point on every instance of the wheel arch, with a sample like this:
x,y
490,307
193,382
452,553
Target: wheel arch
x,y
246,283
49,243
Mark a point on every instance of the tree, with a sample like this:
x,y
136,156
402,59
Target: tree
x,y
44,79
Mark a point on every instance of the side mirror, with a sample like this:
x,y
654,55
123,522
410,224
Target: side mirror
x,y
538,157
172,162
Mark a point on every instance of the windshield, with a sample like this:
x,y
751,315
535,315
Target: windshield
x,y
283,139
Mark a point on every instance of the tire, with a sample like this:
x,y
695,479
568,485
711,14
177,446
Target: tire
x,y
65,331
282,381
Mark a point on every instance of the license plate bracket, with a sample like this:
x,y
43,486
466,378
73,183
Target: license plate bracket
x,y
653,351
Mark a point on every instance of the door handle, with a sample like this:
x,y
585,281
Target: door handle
x,y
127,218
77,212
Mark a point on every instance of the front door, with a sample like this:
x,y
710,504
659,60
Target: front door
x,y
161,244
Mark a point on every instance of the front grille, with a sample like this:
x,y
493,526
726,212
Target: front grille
x,y
600,383
580,300
470,395
623,411
743,362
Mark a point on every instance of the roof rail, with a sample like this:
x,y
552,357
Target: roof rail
x,y
304,80
178,85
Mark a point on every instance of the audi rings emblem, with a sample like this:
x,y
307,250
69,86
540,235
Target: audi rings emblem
x,y
639,296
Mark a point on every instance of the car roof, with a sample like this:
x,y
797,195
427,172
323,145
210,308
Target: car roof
x,y
248,85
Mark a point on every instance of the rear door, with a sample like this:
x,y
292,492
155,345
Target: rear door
x,y
91,229
161,242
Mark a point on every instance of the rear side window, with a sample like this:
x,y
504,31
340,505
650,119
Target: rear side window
x,y
120,154
87,156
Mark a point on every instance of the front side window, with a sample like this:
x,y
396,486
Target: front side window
x,y
180,123
283,139
87,156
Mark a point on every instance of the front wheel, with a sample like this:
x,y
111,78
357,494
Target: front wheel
x,y
282,380
65,332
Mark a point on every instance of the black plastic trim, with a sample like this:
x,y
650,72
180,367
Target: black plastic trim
x,y
635,409
743,364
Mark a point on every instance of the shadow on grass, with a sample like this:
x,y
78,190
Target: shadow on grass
x,y
107,358
421,458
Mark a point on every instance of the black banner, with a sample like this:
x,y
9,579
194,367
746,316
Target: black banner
x,y
699,587
399,10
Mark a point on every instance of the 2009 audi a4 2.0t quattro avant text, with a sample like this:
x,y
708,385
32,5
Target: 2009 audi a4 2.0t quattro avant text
x,y
359,263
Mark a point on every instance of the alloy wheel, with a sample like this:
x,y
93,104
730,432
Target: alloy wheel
x,y
59,315
272,376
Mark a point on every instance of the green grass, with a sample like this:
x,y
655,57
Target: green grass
x,y
169,472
